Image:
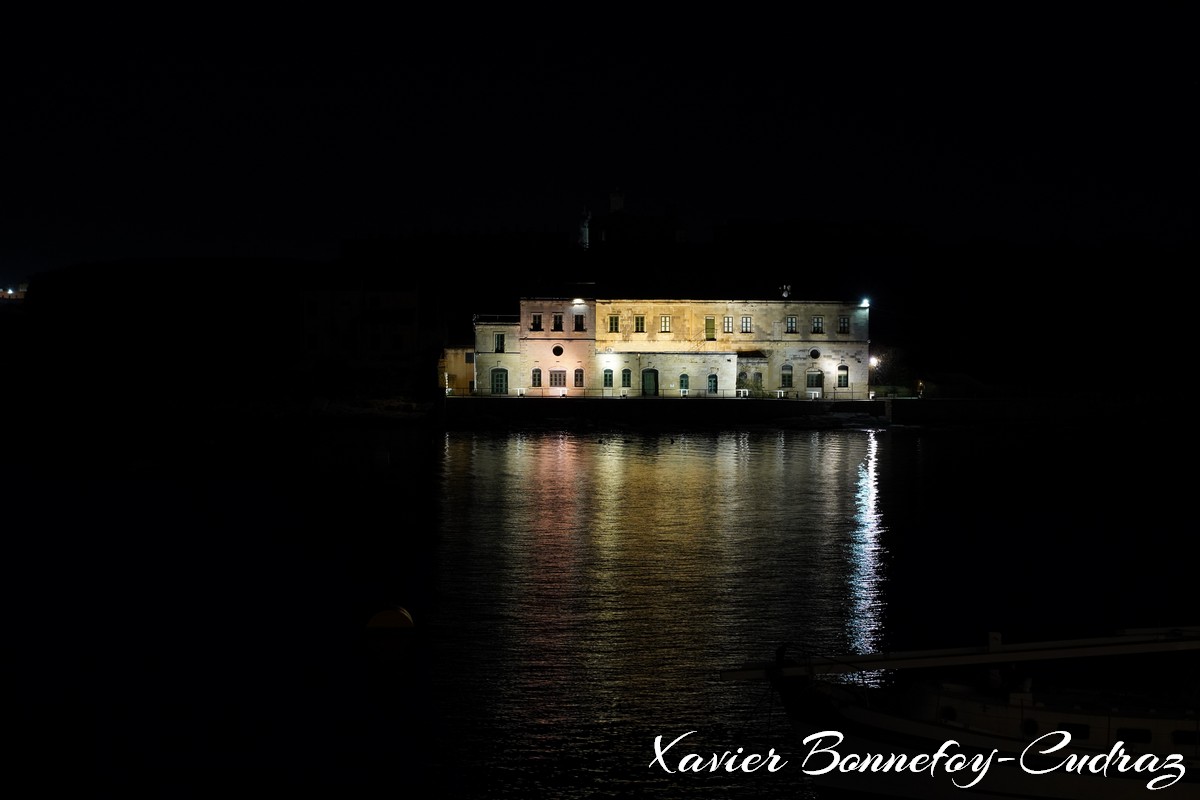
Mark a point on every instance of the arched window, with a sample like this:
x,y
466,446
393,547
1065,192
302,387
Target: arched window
x,y
626,378
815,379
683,381
843,377
712,384
608,378
785,377
579,379
535,380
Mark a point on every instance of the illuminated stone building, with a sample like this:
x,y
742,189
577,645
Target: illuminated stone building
x,y
643,347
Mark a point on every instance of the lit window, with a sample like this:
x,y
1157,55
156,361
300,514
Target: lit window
x,y
639,324
614,324
747,325
535,380
626,378
791,325
785,378
818,324
558,377
843,377
579,379
664,325
728,325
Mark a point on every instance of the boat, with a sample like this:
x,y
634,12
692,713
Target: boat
x,y
1098,718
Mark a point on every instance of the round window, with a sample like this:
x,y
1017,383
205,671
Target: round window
x,y
558,350
814,354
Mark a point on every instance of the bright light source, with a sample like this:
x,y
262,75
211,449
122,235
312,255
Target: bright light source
x,y
874,361
865,303
578,301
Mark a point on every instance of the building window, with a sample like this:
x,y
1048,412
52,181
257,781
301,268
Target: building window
x,y
664,324
557,322
710,329
626,378
535,380
712,384
557,350
741,380
818,325
747,325
843,377
470,358
639,324
579,322
558,377
608,379
728,325
758,380
683,381
536,324
785,377
791,325
499,342
614,324
843,324
578,379
815,380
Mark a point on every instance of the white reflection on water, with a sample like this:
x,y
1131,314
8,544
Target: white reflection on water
x,y
865,625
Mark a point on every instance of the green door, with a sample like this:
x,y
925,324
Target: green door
x,y
499,381
649,383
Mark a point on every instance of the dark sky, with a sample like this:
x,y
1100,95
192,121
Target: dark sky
x,y
238,137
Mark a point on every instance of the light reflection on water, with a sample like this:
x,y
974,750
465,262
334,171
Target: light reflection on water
x,y
594,586
589,588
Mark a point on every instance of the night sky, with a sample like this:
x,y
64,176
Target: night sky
x,y
928,161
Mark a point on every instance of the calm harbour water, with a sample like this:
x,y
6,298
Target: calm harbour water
x,y
575,594
591,586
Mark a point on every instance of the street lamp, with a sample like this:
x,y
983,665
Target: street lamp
x,y
873,361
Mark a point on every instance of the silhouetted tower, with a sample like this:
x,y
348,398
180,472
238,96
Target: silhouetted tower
x,y
583,228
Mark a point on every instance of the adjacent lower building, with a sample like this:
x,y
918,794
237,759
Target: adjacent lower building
x,y
642,347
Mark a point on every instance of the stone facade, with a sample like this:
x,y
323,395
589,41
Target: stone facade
x,y
583,347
